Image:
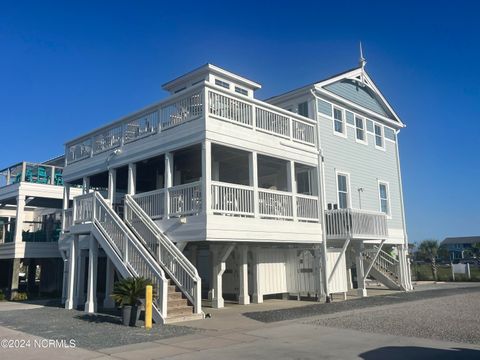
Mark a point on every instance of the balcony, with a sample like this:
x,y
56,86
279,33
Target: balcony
x,y
31,173
45,230
229,200
187,106
355,224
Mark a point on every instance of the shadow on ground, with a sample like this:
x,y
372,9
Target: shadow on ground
x,y
419,353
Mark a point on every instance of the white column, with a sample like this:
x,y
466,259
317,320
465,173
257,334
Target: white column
x,y
243,298
20,215
206,176
65,281
91,304
86,185
318,268
69,303
253,175
109,280
218,270
361,289
80,288
257,282
132,178
292,187
66,203
168,181
112,184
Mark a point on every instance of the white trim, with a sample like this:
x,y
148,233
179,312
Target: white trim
x,y
344,122
349,192
364,129
389,204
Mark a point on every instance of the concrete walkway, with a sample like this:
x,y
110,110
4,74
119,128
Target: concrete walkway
x,y
230,335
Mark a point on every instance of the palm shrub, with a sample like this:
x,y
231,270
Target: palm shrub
x,y
129,291
428,249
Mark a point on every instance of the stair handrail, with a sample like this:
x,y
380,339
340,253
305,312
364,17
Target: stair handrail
x,y
131,242
183,273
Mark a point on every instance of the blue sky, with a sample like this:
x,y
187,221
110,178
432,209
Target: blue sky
x,y
69,66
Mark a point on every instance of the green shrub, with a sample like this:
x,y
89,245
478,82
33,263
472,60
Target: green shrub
x,y
2,296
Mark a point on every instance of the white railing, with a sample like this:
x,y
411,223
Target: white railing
x,y
307,207
185,199
177,110
268,118
130,251
170,258
355,223
181,111
232,199
229,108
152,203
272,122
83,208
275,204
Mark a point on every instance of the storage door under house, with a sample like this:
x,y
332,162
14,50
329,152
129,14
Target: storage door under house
x,y
339,280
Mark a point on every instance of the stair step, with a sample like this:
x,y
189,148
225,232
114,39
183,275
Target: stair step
x,y
177,319
176,303
180,311
172,289
175,295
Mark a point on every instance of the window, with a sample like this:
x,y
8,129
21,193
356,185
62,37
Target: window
x,y
342,184
384,198
303,109
338,123
378,136
389,134
360,124
241,90
222,83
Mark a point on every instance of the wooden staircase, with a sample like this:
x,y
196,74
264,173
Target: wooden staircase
x,y
179,308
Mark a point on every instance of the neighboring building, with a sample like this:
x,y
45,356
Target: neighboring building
x,y
212,193
458,246
31,197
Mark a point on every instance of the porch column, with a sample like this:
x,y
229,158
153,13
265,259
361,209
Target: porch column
x,y
32,272
253,181
359,248
65,281
206,176
66,203
243,298
219,267
112,185
318,275
80,290
404,273
132,178
193,254
14,281
72,259
19,218
292,187
91,304
257,282
109,280
86,185
168,181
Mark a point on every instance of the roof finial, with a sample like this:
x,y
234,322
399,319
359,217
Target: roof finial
x,y
362,61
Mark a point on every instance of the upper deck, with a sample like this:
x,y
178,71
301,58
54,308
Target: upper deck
x,y
205,110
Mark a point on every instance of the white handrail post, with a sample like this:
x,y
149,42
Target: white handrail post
x,y
292,187
132,178
198,296
112,185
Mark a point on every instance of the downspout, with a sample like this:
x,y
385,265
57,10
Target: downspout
x,y
321,200
408,285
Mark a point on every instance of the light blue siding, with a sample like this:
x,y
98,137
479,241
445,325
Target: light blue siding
x,y
324,107
369,125
366,166
389,133
362,96
350,118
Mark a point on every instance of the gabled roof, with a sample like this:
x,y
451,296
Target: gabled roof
x,y
339,87
461,240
